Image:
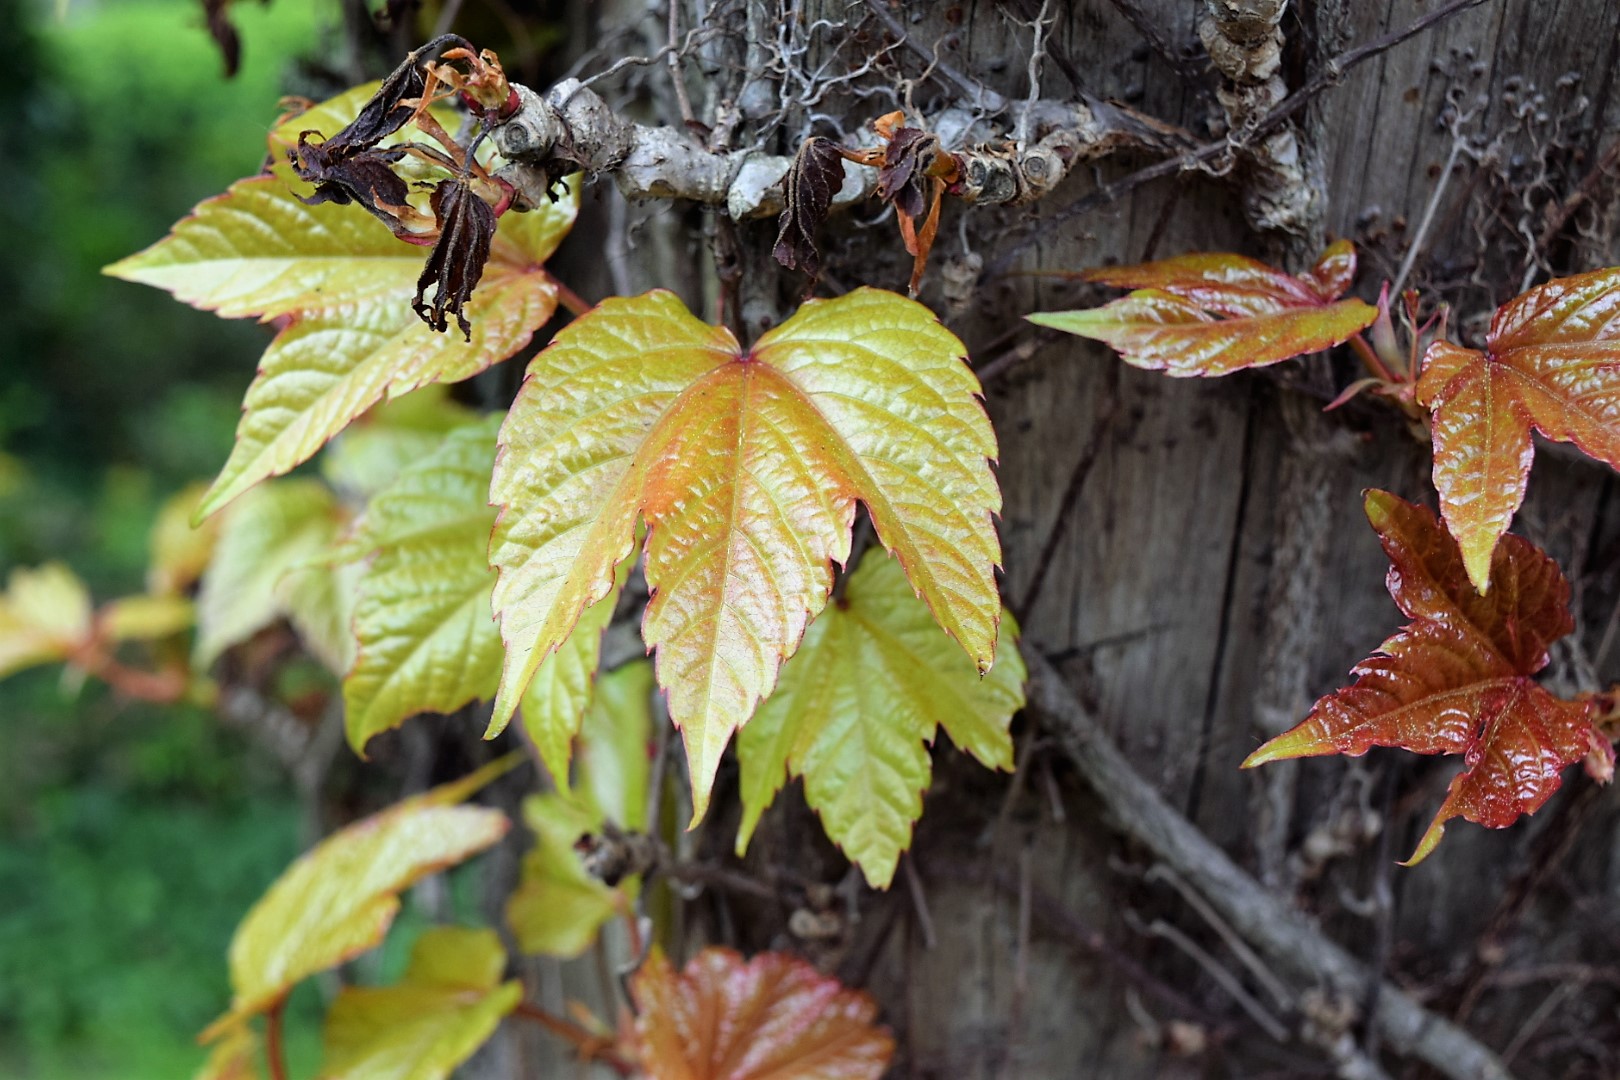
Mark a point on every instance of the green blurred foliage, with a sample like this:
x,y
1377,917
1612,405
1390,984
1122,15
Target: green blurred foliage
x,y
132,838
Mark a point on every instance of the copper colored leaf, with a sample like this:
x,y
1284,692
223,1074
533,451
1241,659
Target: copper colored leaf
x,y
746,467
1551,364
774,1017
1457,678
338,899
808,189
1215,314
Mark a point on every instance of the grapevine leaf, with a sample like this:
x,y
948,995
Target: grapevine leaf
x,y
558,907
44,617
746,467
264,567
1552,364
338,899
368,455
775,1016
853,709
445,1008
235,1056
1457,678
144,618
180,552
1214,314
427,636
615,746
341,291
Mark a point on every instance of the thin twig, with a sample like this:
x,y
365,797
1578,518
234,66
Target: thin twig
x,y
1274,1028
1037,53
1149,30
673,58
983,98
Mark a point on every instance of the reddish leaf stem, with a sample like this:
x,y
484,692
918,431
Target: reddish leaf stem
x,y
274,1053
157,687
576,304
1369,357
588,1044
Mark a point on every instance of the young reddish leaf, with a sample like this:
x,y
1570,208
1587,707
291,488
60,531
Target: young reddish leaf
x,y
774,1017
1215,314
746,467
44,617
854,708
338,899
447,1006
1457,678
1551,363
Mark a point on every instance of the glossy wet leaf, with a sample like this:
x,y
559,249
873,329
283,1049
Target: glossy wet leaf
x,y
774,1017
746,467
447,1006
338,899
268,563
44,617
339,288
427,635
1214,314
1457,678
855,709
1551,364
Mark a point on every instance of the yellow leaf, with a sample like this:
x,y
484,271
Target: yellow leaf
x,y
338,899
180,551
44,617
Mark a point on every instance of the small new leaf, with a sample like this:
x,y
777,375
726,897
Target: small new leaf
x,y
855,707
338,899
447,1006
775,1017
808,189
1216,314
1551,363
746,467
1457,678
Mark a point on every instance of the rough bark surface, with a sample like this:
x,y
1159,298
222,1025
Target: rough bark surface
x,y
1213,573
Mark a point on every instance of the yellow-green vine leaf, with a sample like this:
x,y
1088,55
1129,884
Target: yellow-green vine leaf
x,y
746,466
338,899
427,636
558,907
180,552
44,617
615,741
368,455
339,286
145,618
447,1006
235,1056
266,564
853,709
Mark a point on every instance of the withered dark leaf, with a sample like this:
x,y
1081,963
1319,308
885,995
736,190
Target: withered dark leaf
x,y
903,179
808,189
224,34
365,176
466,228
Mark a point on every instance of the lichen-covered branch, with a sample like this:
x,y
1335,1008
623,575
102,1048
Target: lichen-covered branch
x,y
1245,45
572,128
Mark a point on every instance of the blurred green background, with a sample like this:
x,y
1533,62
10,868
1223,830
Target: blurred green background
x,y
132,839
